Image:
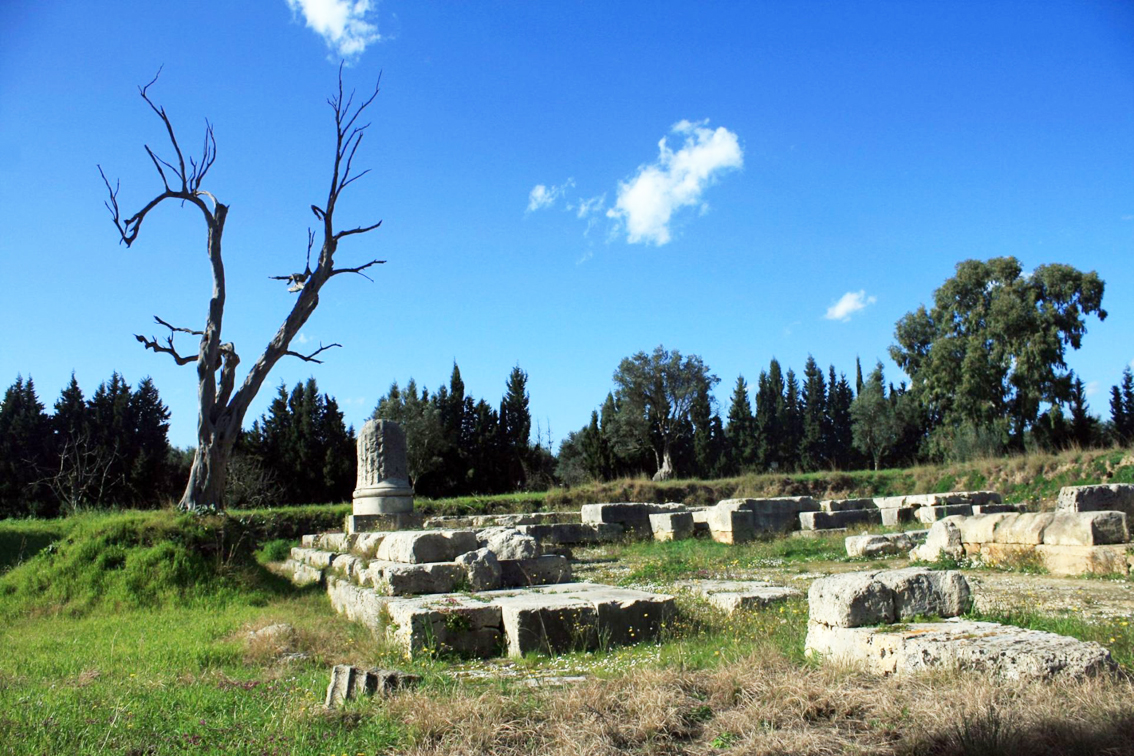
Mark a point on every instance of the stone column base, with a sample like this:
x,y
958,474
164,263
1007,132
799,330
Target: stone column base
x,y
383,500
383,522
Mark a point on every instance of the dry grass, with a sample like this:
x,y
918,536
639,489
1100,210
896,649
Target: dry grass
x,y
766,705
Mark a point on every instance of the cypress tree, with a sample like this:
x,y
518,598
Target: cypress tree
x,y
840,397
515,429
814,441
706,440
793,423
769,417
150,448
1122,409
1082,422
25,452
740,433
858,384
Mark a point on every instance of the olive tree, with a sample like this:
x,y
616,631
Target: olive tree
x,y
222,405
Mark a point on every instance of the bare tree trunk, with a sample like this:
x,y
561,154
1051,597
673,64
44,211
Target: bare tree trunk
x,y
665,472
222,407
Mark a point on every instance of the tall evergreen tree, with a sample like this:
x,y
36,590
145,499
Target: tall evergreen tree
x,y
25,451
875,429
708,436
858,382
840,397
815,436
149,452
515,428
1084,426
740,431
420,420
770,417
1122,409
793,424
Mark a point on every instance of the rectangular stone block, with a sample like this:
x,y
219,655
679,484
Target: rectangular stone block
x,y
548,624
449,624
1086,560
995,509
878,545
573,533
919,592
633,516
729,523
1022,528
1086,529
401,579
672,526
852,599
840,519
358,604
298,573
892,517
316,558
383,522
420,546
841,505
549,568
933,513
979,529
1116,497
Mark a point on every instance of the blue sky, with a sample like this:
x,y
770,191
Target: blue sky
x,y
716,178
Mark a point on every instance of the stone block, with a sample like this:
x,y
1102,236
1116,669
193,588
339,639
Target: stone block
x,y
1022,528
932,514
1086,529
1116,497
1085,560
573,533
366,544
729,522
943,539
878,545
358,604
348,566
349,682
316,558
634,517
978,528
775,515
401,579
626,616
852,599
743,595
919,592
672,526
549,568
445,624
1002,651
419,546
552,624
892,517
840,519
298,573
891,502
842,505
482,569
369,523
508,543
308,541
982,509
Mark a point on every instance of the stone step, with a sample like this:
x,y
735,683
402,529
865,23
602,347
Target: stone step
x,y
839,519
1001,650
871,545
733,596
551,619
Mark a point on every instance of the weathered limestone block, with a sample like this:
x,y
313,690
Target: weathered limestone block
x,y
1086,560
1001,650
388,522
626,616
366,544
349,682
733,596
979,509
730,522
299,573
1023,528
1086,529
548,623
337,542
349,566
549,568
401,579
417,546
883,544
672,526
852,599
1116,497
892,517
775,515
943,539
383,479
316,558
482,569
508,543
359,604
445,624
573,533
979,528
840,519
931,514
633,516
308,541
926,593
842,505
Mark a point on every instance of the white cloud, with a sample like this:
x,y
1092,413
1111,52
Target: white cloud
x,y
302,338
342,24
849,304
646,203
590,206
545,196
1092,388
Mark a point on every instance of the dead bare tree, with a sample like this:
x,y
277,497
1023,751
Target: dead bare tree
x,y
222,406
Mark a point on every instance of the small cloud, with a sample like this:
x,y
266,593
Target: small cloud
x,y
343,24
1128,217
544,196
647,201
1092,388
849,304
590,206
302,338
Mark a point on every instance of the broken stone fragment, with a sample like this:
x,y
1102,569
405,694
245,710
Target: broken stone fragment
x,y
482,568
349,682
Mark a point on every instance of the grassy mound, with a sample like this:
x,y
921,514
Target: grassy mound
x,y
135,559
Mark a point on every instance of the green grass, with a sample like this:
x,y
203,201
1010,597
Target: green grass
x,y
22,539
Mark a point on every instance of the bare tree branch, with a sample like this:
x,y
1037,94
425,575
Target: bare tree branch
x,y
311,357
358,270
361,230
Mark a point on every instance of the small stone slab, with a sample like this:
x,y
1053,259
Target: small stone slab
x,y
508,543
741,595
892,517
316,558
418,546
931,514
451,623
573,533
884,544
842,505
1001,650
1116,497
1086,529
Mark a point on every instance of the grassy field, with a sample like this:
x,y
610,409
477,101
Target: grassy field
x,y
131,636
